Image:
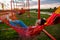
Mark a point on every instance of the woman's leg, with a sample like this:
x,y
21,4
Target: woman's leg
x,y
20,23
12,23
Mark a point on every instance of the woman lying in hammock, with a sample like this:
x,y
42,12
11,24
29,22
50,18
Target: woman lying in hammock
x,y
14,21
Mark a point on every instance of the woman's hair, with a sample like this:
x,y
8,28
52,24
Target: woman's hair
x,y
42,21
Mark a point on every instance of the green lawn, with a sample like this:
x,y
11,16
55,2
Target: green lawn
x,y
12,35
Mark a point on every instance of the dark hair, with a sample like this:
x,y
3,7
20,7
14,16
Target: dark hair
x,y
42,21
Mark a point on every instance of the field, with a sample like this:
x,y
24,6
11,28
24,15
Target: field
x,y
12,35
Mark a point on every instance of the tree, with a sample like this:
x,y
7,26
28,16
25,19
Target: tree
x,y
55,8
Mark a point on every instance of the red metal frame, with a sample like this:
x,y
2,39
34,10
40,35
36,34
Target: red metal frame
x,y
38,29
39,18
27,6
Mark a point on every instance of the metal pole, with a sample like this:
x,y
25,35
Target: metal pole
x,y
2,6
11,5
28,7
48,34
38,9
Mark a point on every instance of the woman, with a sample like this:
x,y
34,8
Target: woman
x,y
14,21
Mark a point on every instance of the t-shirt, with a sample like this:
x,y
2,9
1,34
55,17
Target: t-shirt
x,y
8,17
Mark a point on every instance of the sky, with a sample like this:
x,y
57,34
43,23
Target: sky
x,y
50,3
33,3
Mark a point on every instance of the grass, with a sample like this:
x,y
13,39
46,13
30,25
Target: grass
x,y
53,29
